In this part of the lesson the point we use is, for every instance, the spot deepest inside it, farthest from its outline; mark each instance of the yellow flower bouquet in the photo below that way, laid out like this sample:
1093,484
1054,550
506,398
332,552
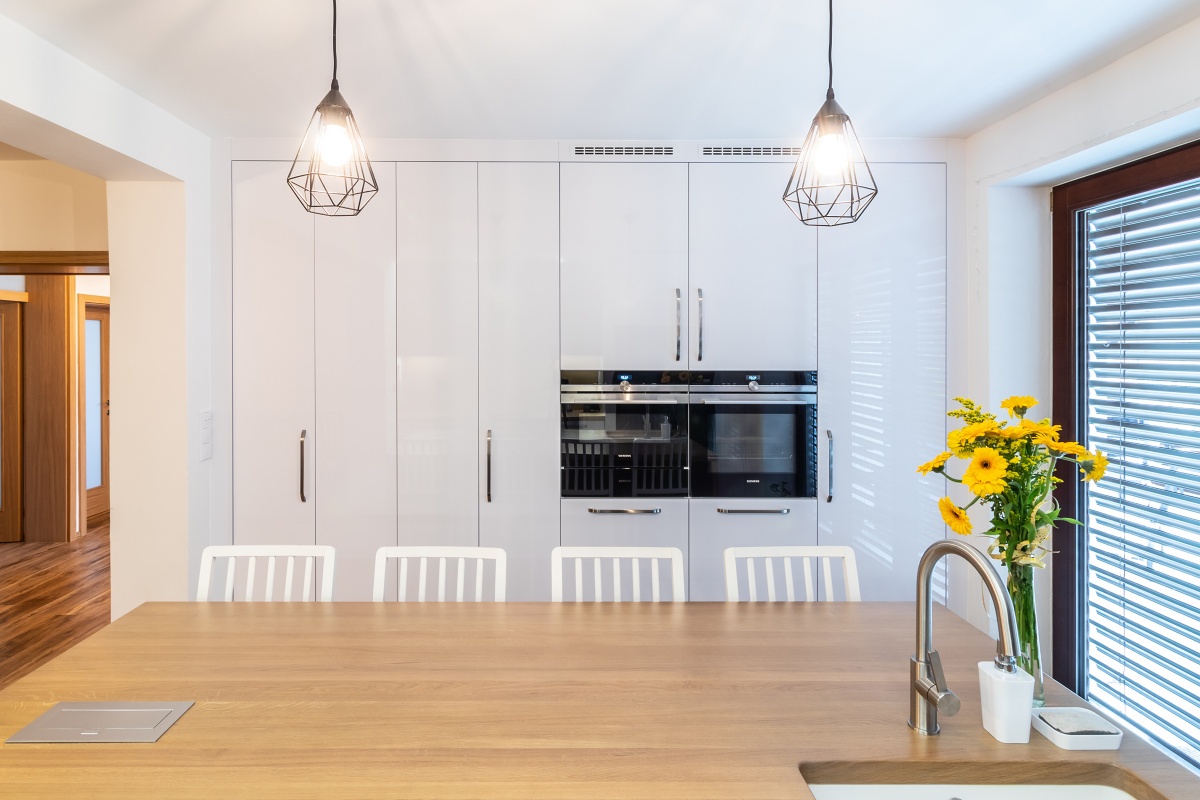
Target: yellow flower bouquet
1011,468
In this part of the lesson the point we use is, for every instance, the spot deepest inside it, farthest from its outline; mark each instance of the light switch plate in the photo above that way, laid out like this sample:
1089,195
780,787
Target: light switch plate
102,722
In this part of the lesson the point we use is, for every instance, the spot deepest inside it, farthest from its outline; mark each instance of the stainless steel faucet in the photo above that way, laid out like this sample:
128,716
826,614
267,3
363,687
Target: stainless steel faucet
929,692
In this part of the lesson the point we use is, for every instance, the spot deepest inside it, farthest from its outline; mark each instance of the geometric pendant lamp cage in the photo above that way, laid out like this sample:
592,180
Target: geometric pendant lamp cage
831,183
331,174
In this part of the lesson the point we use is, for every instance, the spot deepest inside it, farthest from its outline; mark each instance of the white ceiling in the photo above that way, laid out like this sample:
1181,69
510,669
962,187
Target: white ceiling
606,69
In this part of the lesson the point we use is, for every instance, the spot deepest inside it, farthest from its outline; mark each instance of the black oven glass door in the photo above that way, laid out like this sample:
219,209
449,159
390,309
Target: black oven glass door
747,449
624,447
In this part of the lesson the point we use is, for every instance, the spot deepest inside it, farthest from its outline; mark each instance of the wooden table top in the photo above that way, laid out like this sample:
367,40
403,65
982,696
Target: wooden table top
688,700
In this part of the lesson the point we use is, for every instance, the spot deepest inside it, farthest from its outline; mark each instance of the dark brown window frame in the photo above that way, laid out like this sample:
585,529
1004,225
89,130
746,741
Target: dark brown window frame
1154,172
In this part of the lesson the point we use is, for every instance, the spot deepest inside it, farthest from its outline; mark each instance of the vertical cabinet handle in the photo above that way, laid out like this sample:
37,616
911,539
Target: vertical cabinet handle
303,435
489,466
829,488
700,311
678,324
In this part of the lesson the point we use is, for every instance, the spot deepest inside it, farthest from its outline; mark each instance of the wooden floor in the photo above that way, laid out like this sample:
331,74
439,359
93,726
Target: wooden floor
52,596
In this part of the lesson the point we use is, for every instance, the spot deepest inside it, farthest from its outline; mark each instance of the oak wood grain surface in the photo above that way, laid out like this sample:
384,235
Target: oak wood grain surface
53,595
688,700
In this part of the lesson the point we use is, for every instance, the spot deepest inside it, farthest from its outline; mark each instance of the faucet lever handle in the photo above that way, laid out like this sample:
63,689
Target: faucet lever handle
947,702
939,676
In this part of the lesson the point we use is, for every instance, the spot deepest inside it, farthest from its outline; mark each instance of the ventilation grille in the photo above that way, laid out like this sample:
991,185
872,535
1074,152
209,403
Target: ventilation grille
634,150
750,151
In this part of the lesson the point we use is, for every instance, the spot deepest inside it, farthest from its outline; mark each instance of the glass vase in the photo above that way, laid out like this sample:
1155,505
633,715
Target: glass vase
1020,589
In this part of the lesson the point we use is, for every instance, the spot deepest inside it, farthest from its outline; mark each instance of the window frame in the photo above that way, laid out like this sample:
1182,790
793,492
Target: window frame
1068,387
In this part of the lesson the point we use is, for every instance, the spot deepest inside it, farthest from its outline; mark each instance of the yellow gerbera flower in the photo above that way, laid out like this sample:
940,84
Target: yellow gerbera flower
1043,428
954,516
956,440
1093,467
1069,448
935,465
985,476
1018,404
1014,432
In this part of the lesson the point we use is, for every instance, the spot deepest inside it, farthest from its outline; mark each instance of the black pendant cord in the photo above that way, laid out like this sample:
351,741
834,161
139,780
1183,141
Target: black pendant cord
829,90
334,85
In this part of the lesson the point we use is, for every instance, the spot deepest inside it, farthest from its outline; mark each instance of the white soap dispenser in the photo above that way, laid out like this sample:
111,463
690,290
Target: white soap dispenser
1007,699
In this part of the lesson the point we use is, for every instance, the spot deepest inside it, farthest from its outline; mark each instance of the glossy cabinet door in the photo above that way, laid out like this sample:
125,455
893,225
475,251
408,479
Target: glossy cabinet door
273,372
717,524
437,340
882,377
518,434
608,522
356,386
624,266
753,271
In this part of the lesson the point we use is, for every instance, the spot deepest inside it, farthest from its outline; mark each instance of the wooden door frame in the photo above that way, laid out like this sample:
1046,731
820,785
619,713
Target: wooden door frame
97,498
12,492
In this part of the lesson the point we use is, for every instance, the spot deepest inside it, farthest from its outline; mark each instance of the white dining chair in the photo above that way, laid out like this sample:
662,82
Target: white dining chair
824,555
617,556
315,557
423,555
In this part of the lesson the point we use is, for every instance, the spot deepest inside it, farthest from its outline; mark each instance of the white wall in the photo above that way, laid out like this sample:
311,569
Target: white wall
147,228
74,115
1140,104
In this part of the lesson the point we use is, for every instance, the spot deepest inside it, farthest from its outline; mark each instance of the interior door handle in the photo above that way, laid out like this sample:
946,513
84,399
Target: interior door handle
303,435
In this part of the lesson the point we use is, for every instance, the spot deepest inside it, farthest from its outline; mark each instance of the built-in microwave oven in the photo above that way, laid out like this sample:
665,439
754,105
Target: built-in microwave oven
753,434
624,434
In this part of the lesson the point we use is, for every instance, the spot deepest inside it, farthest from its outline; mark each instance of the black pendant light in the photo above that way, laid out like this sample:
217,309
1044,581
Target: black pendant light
831,183
332,174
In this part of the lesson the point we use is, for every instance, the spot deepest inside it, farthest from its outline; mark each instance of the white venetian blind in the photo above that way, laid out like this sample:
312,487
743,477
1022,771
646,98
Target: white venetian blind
1142,336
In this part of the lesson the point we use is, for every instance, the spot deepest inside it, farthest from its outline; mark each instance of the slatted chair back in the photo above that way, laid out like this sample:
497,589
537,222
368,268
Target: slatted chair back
312,558
423,555
768,556
598,556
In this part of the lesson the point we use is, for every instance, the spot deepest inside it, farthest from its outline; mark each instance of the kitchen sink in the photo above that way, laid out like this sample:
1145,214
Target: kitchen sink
946,791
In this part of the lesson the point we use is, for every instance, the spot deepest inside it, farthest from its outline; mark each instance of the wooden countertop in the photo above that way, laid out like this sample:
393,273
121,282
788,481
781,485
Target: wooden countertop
689,700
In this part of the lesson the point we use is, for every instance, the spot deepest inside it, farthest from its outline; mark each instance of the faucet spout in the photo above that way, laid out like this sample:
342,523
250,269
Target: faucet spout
929,693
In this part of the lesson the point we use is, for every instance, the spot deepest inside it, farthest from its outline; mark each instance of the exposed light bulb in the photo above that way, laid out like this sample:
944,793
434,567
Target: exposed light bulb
830,155
336,147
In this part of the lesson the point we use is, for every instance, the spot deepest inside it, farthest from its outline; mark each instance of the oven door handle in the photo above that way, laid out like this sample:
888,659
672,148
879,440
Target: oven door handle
750,402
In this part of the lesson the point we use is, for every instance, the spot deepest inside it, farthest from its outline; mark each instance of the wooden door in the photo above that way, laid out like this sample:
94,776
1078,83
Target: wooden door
11,468
93,439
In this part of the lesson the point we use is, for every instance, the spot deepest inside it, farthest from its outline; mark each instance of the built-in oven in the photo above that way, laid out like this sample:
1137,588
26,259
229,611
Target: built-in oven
753,434
624,434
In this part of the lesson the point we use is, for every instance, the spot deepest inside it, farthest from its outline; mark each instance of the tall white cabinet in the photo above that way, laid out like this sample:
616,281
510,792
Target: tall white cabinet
437,352
882,379
517,440
274,381
355,360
